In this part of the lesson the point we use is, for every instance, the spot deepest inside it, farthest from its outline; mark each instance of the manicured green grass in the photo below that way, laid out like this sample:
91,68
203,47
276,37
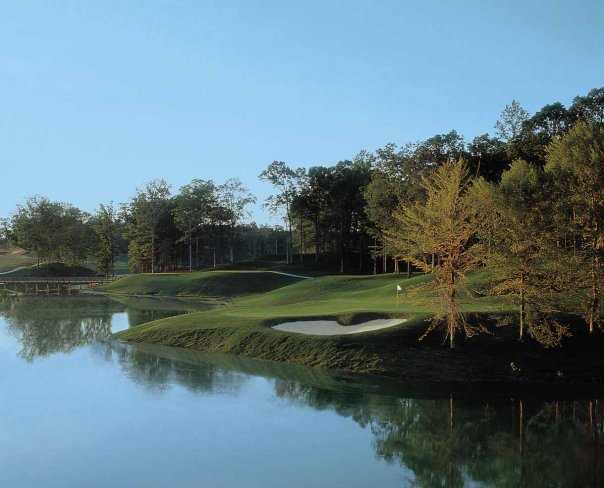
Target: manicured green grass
348,299
205,284
244,327
330,296
14,259
308,269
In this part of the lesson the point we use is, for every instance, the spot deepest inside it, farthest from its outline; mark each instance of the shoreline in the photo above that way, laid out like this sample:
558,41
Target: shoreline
323,378
396,353
244,326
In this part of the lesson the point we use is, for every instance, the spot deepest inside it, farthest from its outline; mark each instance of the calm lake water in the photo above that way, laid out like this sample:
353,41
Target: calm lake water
78,410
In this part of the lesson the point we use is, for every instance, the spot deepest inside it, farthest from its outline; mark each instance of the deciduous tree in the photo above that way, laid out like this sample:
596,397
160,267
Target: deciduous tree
444,226
576,161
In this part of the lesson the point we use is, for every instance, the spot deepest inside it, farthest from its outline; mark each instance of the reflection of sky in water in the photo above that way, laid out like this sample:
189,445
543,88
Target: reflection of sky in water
107,414
119,322
78,420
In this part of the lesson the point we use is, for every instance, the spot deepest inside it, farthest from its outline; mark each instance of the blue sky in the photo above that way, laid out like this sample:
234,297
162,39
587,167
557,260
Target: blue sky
96,98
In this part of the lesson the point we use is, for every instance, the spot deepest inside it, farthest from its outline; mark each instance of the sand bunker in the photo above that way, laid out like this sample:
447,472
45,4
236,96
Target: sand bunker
331,327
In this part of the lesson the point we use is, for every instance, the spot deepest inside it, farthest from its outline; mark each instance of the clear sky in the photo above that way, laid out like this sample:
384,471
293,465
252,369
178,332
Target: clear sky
96,98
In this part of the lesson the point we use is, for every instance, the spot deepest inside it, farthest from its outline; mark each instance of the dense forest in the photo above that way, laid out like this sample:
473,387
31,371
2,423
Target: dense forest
527,202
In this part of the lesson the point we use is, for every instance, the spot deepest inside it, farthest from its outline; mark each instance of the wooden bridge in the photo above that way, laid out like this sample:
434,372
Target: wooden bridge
51,286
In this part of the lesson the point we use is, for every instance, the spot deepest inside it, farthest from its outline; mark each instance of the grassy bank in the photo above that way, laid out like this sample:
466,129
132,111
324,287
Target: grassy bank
14,258
53,270
203,284
244,327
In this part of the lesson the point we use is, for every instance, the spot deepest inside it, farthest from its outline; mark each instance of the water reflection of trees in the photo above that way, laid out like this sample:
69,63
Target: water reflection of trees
51,325
502,443
446,442
157,372
44,326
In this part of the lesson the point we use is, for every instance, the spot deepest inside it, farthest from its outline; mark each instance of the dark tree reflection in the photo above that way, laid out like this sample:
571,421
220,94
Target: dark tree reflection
44,326
47,326
443,439
157,372
450,442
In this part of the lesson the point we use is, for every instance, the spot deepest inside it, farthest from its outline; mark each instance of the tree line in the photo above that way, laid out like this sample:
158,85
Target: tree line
527,203
201,225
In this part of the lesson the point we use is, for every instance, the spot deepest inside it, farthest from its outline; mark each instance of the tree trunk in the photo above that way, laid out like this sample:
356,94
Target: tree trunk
360,254
290,243
316,240
190,250
374,256
594,305
408,269
522,306
153,252
301,250
452,311
594,298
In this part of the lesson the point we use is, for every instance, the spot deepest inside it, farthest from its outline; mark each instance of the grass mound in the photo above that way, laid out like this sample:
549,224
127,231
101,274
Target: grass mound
347,299
54,270
220,284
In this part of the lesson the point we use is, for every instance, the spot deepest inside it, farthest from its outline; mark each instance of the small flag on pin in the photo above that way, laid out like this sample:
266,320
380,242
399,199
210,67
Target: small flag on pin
398,289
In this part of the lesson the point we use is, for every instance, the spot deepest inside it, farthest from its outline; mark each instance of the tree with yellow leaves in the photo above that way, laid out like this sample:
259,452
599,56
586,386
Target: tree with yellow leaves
437,235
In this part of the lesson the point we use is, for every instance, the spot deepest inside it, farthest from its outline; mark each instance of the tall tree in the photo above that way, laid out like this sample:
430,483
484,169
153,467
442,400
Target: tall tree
195,204
589,108
510,123
487,157
143,215
444,226
54,231
576,161
313,202
287,181
106,229
234,199
517,243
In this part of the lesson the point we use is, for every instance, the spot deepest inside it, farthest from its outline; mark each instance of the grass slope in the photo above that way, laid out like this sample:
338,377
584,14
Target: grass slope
15,258
206,284
243,327
346,298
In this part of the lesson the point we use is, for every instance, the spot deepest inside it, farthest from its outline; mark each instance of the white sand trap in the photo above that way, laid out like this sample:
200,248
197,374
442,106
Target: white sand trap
331,327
